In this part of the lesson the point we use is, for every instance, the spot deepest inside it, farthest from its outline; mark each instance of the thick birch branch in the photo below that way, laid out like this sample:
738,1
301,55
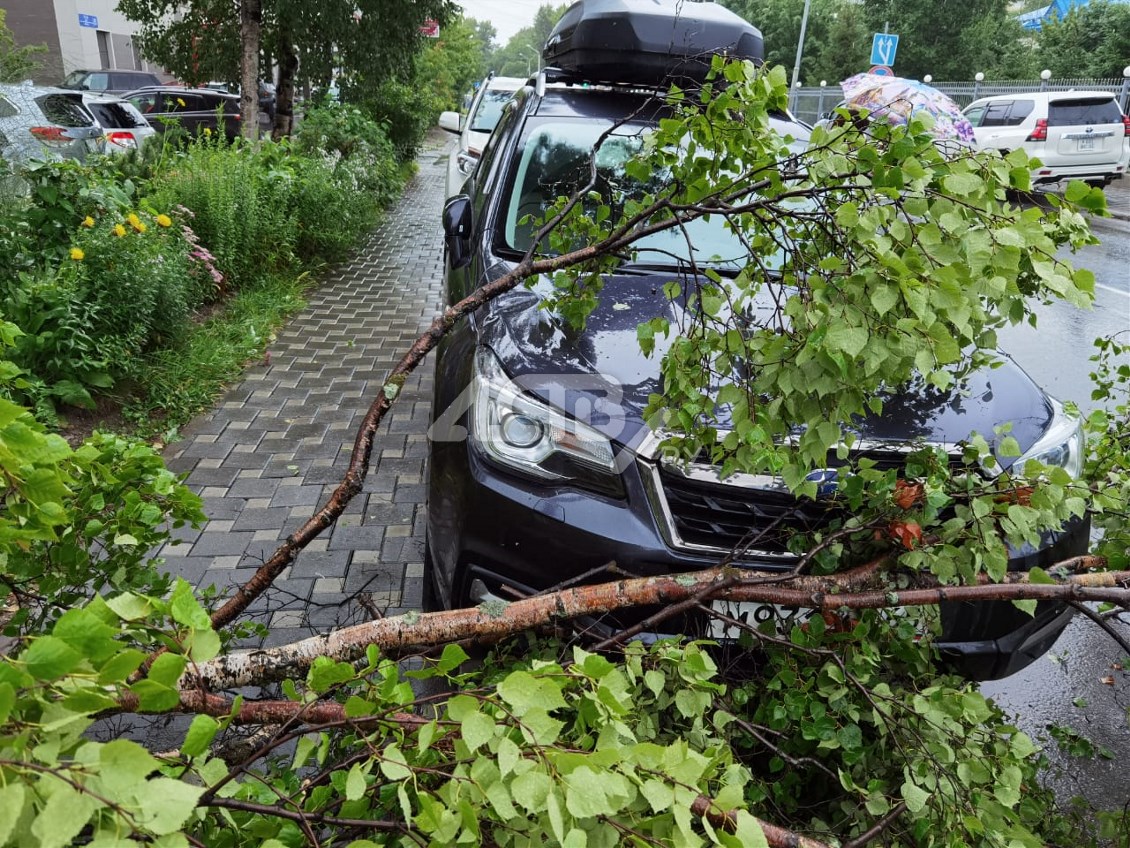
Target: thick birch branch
414,631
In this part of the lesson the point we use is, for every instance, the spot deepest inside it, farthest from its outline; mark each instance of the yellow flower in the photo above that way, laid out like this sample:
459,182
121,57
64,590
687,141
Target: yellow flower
180,102
164,221
77,255
88,221
207,131
135,222
119,230
140,228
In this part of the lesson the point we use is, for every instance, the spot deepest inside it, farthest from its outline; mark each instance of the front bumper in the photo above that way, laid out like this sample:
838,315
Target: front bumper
514,536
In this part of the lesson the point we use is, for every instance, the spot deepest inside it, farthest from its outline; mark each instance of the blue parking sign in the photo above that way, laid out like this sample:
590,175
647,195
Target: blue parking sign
88,21
883,48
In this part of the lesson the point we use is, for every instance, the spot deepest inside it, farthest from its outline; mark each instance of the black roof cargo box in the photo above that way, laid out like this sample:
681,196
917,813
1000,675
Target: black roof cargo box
648,42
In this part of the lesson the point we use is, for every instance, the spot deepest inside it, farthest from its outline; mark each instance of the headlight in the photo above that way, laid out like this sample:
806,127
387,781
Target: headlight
522,433
1062,443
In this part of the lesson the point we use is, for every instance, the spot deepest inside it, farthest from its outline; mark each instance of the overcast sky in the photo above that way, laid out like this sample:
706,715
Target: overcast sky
508,16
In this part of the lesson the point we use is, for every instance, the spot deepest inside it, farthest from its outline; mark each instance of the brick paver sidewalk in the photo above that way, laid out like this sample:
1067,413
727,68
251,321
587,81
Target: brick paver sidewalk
277,444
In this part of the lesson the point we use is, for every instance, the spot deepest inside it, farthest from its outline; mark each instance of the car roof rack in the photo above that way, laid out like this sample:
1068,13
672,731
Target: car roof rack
649,43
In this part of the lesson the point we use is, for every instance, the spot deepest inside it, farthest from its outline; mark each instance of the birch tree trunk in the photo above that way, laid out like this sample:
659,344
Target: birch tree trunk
250,22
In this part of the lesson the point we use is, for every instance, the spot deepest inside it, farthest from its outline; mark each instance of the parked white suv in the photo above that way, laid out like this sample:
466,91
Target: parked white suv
1075,134
475,128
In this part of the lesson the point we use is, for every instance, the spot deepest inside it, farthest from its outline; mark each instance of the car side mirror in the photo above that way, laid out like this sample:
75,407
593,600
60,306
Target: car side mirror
457,230
450,121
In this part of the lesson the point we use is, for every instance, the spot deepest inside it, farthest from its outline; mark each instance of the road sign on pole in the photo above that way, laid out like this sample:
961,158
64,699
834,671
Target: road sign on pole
883,48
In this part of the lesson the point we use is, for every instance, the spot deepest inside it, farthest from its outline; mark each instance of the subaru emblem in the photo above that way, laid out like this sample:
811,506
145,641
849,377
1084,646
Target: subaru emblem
826,480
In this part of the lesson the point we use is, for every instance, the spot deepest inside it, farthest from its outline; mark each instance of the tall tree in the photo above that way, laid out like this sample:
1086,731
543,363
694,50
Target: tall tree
454,61
950,39
1093,41
836,39
365,41
250,25
518,56
16,62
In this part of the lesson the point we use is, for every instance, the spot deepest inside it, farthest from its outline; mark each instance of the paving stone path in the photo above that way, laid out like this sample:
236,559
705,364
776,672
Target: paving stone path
277,444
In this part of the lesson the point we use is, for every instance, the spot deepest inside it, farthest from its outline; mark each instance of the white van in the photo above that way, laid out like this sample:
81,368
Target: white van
1075,134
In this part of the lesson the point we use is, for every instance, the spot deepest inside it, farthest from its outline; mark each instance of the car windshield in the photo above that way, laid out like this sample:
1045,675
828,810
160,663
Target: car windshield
490,110
554,162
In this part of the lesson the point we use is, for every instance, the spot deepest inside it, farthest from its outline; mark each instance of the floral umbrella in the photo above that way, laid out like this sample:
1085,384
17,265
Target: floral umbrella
897,98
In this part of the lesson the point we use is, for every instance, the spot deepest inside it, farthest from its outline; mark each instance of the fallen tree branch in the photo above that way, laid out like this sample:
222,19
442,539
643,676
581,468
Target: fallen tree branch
414,631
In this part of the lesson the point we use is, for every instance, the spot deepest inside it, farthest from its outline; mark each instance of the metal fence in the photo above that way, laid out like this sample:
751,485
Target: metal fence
810,102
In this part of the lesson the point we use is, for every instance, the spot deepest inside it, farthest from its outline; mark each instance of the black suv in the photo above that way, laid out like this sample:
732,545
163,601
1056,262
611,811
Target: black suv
193,109
542,468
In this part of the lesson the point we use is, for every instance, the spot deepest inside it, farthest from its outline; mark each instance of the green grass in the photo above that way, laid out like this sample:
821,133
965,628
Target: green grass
176,384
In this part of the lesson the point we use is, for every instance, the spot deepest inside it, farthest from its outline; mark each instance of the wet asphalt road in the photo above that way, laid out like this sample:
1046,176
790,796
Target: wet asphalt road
1084,683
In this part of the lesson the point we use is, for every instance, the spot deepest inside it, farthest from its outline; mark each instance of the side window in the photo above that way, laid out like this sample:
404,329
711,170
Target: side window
974,115
7,109
124,82
64,110
1021,109
182,102
996,114
97,82
145,103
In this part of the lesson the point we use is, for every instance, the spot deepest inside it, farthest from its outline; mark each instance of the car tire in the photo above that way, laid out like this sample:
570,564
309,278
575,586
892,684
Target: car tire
432,600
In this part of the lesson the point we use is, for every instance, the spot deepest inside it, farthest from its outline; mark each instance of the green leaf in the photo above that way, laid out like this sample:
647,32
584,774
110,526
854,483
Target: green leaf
167,669
1028,606
531,789
185,609
63,817
851,340
355,783
166,804
524,692
199,736
915,797
11,804
477,729
130,607
49,658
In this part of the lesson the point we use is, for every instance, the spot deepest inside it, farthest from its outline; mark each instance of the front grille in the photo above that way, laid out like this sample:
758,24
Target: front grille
733,518
751,516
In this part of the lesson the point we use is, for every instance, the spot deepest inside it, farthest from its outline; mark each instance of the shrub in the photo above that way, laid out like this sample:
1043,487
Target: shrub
406,112
240,207
135,277
55,350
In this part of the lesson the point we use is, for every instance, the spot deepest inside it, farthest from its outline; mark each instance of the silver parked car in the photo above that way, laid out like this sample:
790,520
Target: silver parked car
37,122
125,127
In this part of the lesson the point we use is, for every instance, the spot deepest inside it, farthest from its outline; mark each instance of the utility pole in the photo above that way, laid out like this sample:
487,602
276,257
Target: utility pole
799,50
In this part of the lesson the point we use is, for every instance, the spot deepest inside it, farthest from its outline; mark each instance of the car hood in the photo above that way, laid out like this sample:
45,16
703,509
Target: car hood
601,377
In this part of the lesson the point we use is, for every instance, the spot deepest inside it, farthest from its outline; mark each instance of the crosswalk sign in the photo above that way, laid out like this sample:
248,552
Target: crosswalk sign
883,48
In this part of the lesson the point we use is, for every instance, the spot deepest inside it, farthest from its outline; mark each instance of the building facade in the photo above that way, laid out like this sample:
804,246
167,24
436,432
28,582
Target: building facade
78,34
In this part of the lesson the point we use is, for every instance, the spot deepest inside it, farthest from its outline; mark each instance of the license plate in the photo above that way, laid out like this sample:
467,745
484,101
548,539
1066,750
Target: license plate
782,619
1086,144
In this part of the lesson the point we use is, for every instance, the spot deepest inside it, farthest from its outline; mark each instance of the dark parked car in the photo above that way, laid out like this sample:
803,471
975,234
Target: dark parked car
559,474
109,80
193,109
